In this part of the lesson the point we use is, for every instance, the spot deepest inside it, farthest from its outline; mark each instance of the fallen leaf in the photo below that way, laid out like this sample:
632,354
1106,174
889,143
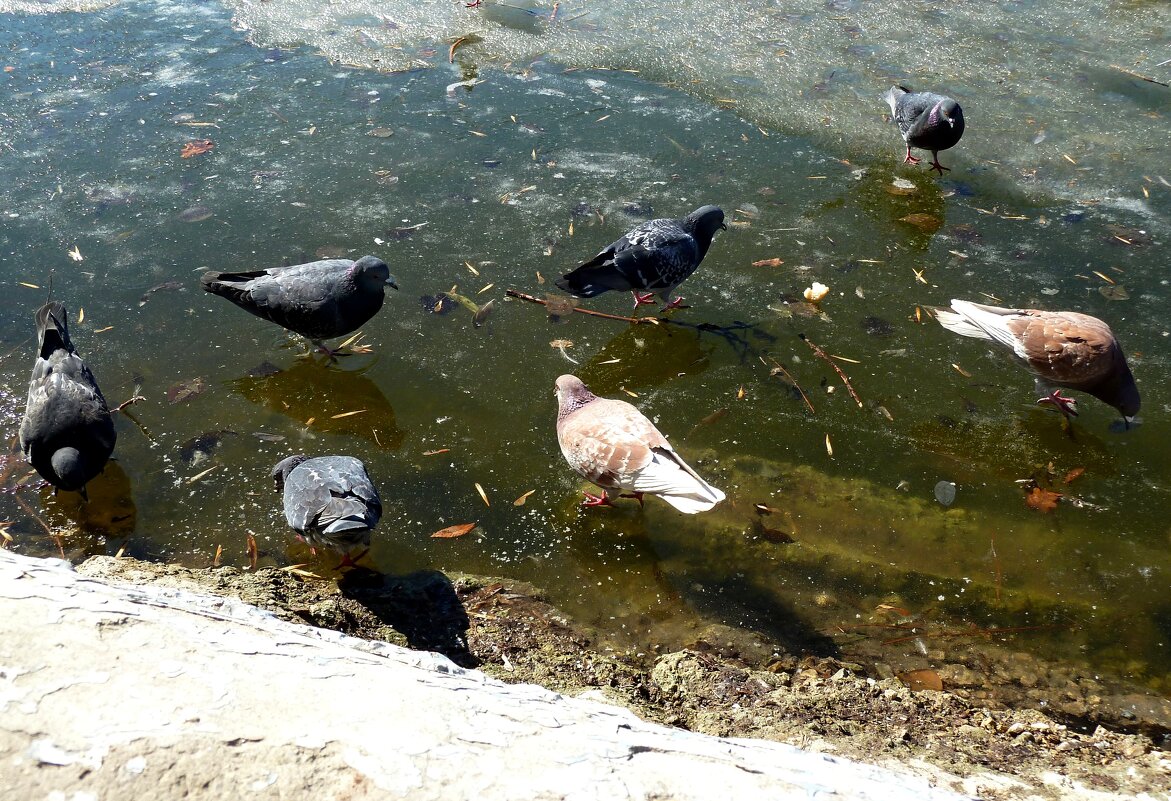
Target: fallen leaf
81,315
961,370
764,509
828,447
252,551
437,452
346,414
454,531
521,500
1114,292
925,679
1042,500
196,147
26,283
75,254
186,390
740,393
160,288
1073,474
483,495
219,551
768,263
924,222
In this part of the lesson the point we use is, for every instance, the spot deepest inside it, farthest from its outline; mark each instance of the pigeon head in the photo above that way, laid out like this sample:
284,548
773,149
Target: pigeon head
1119,390
280,473
572,394
947,110
72,469
372,272
703,224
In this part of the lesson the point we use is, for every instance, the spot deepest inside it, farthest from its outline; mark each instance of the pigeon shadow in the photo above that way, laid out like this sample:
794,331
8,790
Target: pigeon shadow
648,356
337,401
422,606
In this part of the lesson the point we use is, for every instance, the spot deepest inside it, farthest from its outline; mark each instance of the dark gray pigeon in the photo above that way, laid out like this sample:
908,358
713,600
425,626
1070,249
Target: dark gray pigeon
329,501
655,257
318,300
927,121
67,433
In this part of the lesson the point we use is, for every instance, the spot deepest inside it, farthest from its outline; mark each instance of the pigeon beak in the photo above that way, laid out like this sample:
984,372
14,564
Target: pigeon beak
723,226
390,282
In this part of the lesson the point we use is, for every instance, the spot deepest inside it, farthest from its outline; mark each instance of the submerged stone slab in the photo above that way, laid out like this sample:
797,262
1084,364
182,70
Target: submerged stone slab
160,693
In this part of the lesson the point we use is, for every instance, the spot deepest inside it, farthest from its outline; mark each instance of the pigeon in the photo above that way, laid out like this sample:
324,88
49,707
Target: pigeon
657,256
318,300
614,445
67,433
927,121
1063,349
329,501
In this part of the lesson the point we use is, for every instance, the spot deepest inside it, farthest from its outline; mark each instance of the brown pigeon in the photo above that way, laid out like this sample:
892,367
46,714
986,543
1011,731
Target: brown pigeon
614,445
1061,348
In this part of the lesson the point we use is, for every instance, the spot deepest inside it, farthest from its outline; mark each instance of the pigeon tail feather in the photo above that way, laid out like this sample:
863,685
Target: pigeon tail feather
959,324
53,329
673,480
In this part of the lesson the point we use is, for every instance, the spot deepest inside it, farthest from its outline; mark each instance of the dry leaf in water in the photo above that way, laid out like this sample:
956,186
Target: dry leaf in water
768,263
1042,500
454,531
924,222
521,500
925,679
1072,474
196,148
186,390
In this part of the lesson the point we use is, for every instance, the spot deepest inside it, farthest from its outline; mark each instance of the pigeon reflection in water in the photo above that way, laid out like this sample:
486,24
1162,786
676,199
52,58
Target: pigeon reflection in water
311,390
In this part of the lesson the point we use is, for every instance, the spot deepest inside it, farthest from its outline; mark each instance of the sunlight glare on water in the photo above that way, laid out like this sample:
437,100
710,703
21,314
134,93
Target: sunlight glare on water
537,161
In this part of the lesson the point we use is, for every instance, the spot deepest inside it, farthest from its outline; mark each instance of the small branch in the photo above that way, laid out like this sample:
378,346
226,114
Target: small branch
122,406
512,293
44,525
1134,74
821,354
793,381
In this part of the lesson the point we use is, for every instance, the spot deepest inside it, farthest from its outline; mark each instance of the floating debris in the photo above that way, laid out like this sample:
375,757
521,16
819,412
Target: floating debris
454,531
945,492
186,390
163,287
195,214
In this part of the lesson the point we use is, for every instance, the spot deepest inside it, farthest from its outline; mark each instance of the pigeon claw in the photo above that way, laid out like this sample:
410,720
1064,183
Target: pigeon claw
1067,406
636,495
909,159
595,500
644,299
677,303
935,165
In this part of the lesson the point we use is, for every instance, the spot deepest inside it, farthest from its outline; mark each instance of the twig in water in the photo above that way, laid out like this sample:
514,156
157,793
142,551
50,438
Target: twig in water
1141,77
29,510
821,354
780,368
512,293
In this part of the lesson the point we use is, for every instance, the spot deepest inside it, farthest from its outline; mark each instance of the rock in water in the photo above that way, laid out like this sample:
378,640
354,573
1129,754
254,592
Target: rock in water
318,300
654,257
67,433
614,445
329,501
1061,348
927,121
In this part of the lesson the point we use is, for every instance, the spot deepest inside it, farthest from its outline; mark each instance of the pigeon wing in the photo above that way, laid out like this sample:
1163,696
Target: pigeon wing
656,255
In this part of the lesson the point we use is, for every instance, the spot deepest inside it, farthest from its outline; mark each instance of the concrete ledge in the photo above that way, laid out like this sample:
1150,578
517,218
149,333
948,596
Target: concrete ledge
116,691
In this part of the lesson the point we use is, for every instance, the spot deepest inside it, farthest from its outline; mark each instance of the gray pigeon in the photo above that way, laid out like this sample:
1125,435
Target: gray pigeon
927,121
1061,348
655,257
614,445
67,433
329,501
318,300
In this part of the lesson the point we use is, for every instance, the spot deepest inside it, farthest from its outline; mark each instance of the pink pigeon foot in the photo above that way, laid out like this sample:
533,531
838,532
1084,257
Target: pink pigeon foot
596,500
348,561
647,299
935,165
909,158
677,303
1067,406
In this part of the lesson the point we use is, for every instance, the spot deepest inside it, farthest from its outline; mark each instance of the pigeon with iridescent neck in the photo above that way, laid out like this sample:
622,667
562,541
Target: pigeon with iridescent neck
927,121
649,259
1062,349
615,446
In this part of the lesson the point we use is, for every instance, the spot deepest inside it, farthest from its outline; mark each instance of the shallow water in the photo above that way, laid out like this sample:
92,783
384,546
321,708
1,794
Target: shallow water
531,171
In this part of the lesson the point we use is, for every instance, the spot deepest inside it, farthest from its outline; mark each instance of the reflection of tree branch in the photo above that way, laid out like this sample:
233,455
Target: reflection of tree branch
729,333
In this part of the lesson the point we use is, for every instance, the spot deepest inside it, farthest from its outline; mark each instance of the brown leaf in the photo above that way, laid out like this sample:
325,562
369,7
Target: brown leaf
521,500
186,390
252,551
1072,474
196,147
925,679
1042,500
924,222
454,531
774,262
776,535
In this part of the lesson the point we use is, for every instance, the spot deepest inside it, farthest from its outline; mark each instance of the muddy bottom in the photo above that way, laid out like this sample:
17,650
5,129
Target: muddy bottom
720,685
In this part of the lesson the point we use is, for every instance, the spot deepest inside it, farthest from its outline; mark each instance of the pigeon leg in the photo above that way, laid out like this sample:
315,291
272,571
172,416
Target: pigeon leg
596,500
935,165
647,299
1067,406
677,303
348,561
909,158
636,495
